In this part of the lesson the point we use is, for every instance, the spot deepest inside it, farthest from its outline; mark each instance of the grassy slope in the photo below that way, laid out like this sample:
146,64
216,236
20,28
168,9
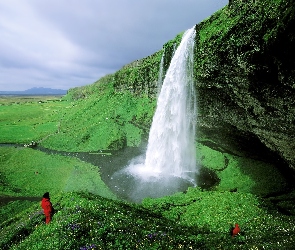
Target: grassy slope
196,220
56,173
103,119
84,221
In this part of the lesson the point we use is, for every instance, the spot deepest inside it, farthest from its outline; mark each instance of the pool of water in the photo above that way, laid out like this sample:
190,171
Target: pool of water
127,186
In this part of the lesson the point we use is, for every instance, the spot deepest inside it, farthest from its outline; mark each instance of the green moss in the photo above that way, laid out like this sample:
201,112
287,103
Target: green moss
133,135
209,158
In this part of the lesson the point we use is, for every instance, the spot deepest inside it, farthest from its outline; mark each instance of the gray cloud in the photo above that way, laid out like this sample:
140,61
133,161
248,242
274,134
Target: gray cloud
63,44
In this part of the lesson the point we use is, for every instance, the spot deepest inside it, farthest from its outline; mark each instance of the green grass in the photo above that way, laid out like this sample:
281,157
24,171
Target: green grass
242,174
215,213
84,220
23,119
195,220
106,119
103,119
28,172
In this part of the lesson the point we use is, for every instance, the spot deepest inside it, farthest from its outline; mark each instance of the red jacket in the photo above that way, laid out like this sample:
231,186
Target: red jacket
47,206
236,230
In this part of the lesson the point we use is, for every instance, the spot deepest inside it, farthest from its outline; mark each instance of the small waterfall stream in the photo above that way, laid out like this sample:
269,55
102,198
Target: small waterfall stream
160,77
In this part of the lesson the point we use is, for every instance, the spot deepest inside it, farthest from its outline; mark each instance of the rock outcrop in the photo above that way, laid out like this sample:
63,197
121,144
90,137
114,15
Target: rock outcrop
245,76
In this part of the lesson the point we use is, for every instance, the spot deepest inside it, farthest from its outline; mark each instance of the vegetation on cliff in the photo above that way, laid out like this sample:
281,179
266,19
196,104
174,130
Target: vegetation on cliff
245,77
98,117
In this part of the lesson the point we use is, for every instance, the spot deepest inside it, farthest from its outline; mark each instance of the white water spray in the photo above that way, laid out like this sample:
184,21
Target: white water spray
171,144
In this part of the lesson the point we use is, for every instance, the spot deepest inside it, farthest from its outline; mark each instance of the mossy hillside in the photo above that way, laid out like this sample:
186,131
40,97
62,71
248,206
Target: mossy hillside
241,30
99,117
28,172
141,77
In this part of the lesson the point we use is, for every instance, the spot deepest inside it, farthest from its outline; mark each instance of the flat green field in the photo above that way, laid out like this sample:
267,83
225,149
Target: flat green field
27,118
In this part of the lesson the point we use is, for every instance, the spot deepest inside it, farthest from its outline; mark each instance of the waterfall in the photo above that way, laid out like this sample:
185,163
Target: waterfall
160,76
171,144
169,163
174,46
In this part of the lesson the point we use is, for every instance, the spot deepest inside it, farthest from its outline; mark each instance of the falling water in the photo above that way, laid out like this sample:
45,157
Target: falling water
171,147
169,164
160,77
174,47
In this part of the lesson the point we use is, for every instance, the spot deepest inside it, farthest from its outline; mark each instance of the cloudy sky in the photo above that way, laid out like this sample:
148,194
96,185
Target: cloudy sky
67,43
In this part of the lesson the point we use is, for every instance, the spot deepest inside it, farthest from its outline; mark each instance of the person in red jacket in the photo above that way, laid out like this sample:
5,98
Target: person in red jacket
236,230
47,207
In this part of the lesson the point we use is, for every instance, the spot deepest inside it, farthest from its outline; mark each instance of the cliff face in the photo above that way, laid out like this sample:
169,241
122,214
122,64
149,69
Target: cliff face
245,77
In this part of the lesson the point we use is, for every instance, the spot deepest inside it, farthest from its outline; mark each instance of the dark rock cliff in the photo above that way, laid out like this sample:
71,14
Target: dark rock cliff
245,76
